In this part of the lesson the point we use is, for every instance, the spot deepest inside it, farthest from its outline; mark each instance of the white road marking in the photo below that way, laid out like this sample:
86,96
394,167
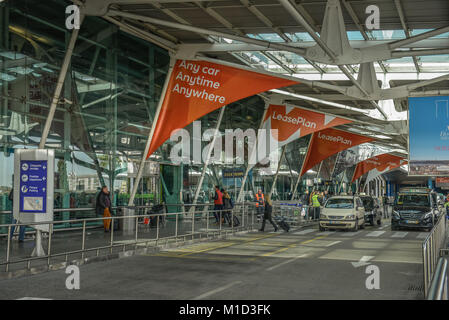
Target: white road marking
325,233
285,262
384,226
375,233
33,298
305,231
399,234
350,234
362,262
212,292
332,243
422,235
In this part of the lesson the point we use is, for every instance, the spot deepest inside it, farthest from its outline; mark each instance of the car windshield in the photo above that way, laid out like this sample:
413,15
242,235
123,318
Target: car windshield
368,203
340,203
413,200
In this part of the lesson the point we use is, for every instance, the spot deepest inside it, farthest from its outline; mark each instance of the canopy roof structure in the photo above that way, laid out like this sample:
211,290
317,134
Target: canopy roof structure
344,68
326,44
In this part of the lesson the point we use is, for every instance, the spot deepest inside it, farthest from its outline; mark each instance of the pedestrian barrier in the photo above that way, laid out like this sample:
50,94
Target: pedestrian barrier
170,228
200,226
431,248
438,286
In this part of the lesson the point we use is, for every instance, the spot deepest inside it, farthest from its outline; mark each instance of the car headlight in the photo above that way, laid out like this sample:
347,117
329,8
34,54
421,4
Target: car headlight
428,215
323,216
350,217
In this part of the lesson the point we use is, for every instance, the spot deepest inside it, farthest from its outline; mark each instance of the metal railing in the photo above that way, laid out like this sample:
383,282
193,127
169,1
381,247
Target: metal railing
135,230
244,212
293,213
438,286
431,247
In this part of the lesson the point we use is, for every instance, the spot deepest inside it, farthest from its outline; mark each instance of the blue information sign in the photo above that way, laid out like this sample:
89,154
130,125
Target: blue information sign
429,135
33,186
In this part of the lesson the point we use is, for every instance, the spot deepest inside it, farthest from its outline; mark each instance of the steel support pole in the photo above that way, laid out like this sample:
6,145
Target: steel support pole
60,83
206,163
300,171
277,171
38,250
341,181
291,173
252,156
150,136
318,172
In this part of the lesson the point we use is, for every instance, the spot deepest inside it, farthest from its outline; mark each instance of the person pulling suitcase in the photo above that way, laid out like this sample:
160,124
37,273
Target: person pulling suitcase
267,214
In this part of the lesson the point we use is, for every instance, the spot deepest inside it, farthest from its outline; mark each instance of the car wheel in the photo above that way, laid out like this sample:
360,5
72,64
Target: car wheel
394,228
322,228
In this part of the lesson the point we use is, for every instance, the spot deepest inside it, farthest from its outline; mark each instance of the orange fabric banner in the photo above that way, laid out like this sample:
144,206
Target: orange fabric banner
293,123
382,163
197,88
327,142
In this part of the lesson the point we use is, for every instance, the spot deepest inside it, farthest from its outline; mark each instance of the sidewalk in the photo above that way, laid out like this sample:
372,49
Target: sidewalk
66,241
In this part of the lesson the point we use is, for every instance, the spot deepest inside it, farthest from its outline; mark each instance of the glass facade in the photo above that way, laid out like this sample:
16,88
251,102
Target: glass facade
104,114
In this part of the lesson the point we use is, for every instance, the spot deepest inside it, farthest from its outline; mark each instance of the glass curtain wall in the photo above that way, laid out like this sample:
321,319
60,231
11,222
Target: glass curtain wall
103,116
105,113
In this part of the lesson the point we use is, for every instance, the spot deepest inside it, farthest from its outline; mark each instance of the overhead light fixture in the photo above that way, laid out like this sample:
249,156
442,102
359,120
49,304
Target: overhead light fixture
329,103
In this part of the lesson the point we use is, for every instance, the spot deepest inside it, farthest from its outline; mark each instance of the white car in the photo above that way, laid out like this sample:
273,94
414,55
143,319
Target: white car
342,212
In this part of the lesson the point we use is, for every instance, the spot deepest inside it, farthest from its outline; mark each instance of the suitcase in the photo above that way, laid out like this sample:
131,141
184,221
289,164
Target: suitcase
284,225
153,219
153,222
236,221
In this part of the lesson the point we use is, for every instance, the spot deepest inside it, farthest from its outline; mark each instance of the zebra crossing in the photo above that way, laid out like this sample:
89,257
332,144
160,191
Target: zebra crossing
417,235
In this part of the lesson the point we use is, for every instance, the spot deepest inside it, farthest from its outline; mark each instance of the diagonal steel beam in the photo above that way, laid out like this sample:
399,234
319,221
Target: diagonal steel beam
231,28
362,30
300,19
418,37
60,83
263,43
406,30
253,9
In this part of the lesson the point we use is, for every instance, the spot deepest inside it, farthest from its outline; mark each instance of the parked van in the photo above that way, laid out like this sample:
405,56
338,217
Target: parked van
343,212
415,208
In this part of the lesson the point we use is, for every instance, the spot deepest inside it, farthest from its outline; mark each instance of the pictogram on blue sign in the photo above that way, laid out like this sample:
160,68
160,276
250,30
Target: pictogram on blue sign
33,186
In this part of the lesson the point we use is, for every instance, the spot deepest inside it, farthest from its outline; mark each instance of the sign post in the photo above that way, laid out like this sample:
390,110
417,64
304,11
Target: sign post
34,190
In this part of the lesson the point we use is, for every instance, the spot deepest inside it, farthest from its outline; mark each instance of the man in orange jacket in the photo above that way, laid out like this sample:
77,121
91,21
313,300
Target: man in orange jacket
218,203
260,204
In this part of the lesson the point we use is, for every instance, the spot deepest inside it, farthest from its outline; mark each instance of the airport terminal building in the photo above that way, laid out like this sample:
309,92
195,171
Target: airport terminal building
308,106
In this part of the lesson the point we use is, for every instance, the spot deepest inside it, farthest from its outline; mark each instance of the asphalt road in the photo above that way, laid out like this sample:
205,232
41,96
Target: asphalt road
301,264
